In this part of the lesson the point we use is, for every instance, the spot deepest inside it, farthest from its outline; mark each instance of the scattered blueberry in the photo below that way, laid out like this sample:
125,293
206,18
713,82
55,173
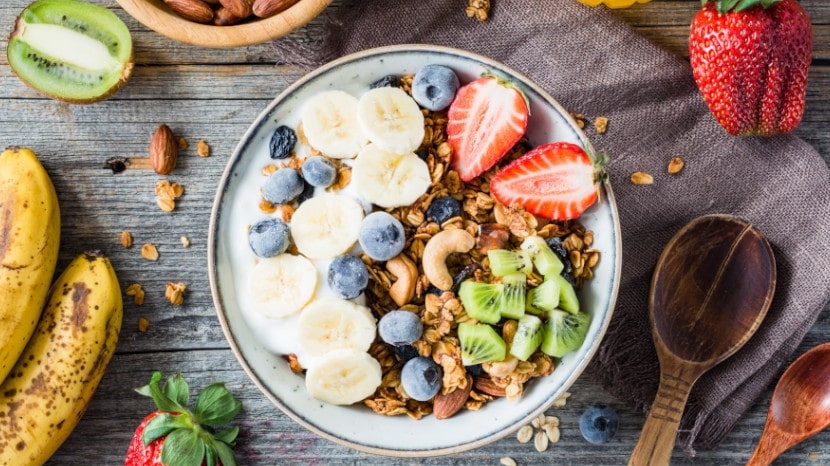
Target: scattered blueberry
308,192
406,352
434,87
555,244
348,276
282,142
381,236
400,327
269,237
389,80
598,424
443,208
421,378
283,186
319,171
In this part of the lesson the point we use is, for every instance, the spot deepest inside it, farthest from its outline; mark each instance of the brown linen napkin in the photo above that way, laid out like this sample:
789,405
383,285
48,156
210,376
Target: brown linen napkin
596,65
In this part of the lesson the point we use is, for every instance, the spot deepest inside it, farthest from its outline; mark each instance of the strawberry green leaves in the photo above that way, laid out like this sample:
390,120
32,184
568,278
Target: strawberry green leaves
724,6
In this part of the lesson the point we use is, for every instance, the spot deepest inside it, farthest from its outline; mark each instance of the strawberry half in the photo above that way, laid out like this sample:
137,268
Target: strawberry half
557,181
485,120
750,60
173,435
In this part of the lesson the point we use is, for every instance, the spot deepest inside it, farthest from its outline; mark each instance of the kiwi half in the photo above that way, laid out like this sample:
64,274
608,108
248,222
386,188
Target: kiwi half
528,337
71,50
564,332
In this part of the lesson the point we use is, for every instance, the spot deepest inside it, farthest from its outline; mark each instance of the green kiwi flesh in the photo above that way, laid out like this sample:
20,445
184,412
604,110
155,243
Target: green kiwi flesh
528,337
568,300
545,297
480,343
71,50
564,332
544,259
513,295
481,300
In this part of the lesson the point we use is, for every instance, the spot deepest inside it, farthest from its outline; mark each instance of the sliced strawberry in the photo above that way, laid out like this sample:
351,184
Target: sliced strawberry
557,181
486,118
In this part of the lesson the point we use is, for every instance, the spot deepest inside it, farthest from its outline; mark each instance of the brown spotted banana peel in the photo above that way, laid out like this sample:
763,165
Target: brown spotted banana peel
52,384
30,225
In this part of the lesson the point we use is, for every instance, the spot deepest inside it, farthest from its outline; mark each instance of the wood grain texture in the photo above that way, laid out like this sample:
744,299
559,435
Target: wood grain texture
214,94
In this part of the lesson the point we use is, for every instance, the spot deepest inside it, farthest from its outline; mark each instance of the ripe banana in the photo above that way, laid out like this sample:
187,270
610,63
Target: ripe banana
343,376
51,386
280,286
391,119
388,179
30,225
326,225
330,124
328,324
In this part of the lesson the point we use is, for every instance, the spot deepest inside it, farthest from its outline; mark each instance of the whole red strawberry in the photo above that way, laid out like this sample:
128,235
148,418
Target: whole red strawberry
173,435
750,60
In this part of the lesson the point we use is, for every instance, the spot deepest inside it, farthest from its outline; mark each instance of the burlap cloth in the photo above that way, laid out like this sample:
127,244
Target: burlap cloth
596,65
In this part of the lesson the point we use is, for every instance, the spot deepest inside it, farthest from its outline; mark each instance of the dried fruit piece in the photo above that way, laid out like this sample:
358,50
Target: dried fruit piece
71,50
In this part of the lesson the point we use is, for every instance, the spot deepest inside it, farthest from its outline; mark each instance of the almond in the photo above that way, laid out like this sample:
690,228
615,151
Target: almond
266,8
224,17
193,10
164,151
445,406
238,8
488,387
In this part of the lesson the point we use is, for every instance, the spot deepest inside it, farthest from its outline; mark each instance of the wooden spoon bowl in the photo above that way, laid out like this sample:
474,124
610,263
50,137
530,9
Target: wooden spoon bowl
711,289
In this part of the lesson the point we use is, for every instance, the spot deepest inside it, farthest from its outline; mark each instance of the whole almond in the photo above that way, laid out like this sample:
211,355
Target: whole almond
163,150
239,8
445,406
266,8
488,387
224,17
193,10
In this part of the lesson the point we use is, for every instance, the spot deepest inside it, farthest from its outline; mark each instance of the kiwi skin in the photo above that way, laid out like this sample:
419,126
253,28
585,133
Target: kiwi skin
72,6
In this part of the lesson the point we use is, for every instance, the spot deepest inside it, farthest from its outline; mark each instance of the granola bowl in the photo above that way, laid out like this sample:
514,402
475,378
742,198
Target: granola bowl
262,345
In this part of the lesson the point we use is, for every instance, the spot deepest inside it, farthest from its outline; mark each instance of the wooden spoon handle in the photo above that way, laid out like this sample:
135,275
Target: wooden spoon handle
654,448
772,443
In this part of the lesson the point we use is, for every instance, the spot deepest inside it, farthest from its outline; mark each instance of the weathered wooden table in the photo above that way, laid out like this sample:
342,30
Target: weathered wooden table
213,95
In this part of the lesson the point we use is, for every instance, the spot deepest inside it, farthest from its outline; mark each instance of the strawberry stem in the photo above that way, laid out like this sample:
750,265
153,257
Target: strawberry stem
736,6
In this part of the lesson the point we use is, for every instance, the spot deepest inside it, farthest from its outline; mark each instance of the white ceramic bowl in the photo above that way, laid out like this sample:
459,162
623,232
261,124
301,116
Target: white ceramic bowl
356,426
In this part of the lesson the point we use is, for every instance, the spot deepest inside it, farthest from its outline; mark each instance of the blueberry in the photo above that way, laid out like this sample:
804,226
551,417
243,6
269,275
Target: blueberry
283,186
269,237
389,80
400,327
348,276
406,352
474,370
282,142
319,171
443,208
434,87
598,424
421,378
381,236
308,192
556,245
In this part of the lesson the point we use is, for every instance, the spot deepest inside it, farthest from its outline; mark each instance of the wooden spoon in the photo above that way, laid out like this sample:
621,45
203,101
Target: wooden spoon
800,406
711,288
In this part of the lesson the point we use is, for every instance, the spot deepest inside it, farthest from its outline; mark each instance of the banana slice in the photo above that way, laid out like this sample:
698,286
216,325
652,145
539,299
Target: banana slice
391,119
388,179
328,324
326,225
343,377
330,124
282,285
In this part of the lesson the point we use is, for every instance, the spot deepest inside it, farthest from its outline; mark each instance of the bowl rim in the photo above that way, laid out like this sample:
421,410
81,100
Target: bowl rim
607,195
156,15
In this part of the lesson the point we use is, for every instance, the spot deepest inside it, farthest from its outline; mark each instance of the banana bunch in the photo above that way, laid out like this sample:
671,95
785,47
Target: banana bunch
65,344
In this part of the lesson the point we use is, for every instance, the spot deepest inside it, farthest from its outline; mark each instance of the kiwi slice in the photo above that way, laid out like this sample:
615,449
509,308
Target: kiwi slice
567,295
481,300
505,262
564,332
542,256
513,295
528,337
544,297
480,343
71,50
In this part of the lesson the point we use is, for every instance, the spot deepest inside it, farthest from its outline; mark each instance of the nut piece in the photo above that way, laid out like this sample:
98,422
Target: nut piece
175,292
224,17
193,10
164,150
445,406
267,8
406,272
488,387
238,8
641,178
601,124
436,251
675,165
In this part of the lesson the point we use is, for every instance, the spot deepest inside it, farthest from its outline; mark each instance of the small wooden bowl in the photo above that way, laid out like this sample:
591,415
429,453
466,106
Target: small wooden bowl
160,18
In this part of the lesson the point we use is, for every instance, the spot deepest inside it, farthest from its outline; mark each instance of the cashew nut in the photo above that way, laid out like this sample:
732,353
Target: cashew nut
501,368
436,251
406,273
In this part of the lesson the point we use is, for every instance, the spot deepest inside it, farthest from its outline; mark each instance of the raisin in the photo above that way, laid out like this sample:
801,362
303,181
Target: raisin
282,142
387,81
